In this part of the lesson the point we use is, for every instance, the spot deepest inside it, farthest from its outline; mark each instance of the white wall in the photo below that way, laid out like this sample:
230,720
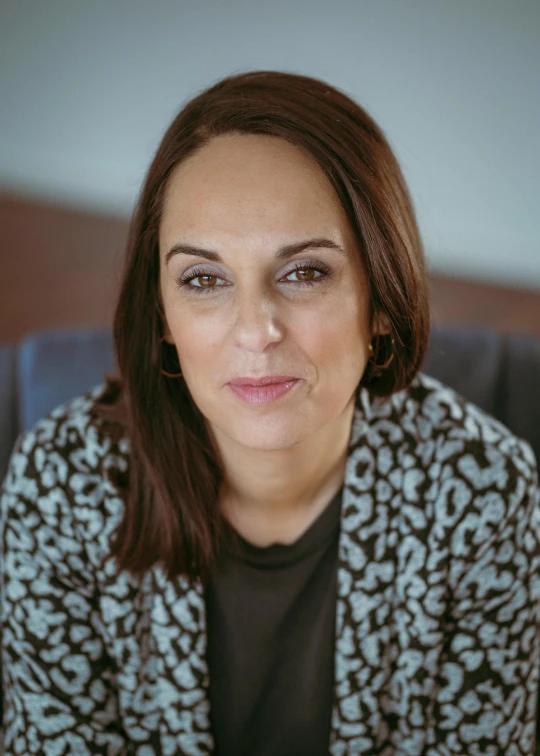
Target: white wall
87,87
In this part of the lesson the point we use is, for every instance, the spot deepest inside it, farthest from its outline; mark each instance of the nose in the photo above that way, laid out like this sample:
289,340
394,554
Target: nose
257,321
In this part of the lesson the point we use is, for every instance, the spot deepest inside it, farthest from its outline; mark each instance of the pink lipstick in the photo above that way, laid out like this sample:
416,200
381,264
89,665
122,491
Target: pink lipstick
262,390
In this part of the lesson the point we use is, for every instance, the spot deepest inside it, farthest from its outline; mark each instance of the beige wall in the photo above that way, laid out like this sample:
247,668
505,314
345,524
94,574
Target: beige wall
88,88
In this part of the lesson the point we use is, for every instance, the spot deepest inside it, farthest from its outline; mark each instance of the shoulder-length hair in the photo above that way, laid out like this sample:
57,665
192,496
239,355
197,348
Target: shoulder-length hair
171,514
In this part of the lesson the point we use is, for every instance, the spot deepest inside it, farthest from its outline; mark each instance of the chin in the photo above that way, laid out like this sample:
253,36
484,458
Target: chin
271,436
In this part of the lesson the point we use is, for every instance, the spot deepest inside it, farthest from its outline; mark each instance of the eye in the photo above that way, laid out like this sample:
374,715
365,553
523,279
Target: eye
207,278
308,274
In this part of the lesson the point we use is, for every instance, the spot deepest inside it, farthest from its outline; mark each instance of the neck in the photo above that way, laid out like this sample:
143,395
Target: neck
298,482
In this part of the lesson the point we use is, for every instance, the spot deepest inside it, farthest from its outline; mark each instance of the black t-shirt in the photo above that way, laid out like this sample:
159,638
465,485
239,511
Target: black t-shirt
271,625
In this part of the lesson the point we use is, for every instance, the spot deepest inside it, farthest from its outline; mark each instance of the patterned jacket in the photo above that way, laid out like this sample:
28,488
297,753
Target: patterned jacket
437,615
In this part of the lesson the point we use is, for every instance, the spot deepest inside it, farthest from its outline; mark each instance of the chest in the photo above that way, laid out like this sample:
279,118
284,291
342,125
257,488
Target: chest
270,649
387,625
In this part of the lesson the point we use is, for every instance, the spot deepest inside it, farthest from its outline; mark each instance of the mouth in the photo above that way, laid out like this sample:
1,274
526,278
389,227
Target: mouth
263,390
266,380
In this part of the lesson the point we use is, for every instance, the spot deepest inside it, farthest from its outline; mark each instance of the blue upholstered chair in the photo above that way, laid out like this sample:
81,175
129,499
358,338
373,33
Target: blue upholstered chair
501,374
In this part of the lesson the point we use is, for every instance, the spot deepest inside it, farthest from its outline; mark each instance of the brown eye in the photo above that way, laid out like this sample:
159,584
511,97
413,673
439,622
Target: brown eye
199,282
306,274
207,280
202,282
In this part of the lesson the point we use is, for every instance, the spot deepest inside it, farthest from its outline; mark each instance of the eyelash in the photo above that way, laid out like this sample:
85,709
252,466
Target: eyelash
184,281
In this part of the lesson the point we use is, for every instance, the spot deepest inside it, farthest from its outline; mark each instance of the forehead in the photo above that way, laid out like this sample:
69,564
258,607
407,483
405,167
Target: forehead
250,186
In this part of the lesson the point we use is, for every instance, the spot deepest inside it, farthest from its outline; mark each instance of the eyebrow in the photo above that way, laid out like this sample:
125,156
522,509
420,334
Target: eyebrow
283,253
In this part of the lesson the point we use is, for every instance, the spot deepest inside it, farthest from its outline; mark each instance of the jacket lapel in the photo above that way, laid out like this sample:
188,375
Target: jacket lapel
179,630
364,584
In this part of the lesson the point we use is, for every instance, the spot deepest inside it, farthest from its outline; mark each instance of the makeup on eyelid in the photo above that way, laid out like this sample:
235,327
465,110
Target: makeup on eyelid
199,272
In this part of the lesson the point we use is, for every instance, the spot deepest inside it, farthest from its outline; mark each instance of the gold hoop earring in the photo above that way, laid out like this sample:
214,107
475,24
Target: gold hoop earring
380,368
164,372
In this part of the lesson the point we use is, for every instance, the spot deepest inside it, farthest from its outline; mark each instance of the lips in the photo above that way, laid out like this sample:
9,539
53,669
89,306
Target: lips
266,380
262,390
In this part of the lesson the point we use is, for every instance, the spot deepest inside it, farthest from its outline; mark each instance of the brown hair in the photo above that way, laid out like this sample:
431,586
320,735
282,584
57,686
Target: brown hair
171,512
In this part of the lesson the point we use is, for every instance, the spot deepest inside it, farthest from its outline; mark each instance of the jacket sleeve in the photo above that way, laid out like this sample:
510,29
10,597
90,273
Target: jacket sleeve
59,690
488,688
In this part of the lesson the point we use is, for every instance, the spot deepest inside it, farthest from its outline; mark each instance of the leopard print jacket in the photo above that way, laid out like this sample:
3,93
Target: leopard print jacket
437,614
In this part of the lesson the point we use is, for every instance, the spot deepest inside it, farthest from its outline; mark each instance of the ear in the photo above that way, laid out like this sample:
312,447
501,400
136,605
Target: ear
167,335
382,325
161,317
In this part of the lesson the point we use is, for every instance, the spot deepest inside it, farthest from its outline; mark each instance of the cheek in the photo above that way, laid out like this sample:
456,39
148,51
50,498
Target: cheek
199,341
336,332
191,327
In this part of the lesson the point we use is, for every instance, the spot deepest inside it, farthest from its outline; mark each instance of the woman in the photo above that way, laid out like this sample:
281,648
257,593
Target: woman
271,534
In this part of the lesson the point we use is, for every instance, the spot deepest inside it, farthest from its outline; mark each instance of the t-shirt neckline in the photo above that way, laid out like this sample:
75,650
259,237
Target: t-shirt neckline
321,530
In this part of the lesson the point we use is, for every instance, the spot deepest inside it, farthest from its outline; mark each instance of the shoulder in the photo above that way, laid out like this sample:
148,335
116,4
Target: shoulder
69,446
448,457
65,477
432,415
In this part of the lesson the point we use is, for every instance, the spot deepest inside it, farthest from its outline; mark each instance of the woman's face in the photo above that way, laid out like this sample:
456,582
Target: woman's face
255,310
